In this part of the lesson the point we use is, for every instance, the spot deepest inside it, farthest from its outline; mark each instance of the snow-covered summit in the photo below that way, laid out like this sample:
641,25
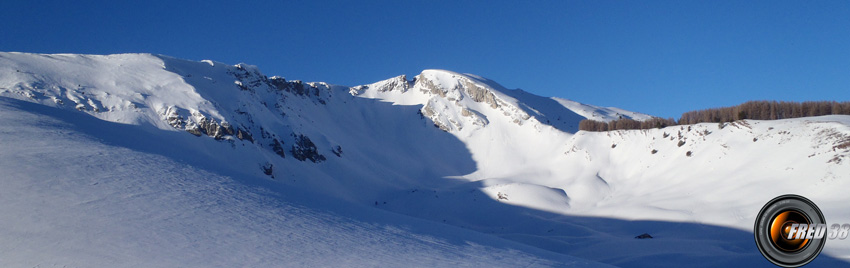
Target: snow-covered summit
287,122
199,96
451,148
455,101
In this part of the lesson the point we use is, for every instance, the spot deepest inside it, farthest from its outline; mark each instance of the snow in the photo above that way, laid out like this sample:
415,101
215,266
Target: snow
597,113
445,169
72,199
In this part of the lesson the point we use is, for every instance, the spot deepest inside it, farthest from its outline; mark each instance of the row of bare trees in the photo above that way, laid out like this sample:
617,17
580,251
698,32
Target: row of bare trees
592,125
759,110
765,110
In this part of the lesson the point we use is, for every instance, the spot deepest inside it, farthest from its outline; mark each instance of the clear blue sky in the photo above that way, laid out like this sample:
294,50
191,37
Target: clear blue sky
656,57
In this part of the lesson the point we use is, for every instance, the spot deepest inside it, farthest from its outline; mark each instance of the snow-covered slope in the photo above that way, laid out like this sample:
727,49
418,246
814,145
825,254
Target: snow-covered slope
81,192
509,133
597,113
450,148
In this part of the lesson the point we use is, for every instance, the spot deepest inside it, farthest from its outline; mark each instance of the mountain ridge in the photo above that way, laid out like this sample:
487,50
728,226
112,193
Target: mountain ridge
462,150
240,105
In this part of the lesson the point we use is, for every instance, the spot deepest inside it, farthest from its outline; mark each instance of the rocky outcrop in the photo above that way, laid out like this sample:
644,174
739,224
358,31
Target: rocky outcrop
173,118
643,236
249,78
428,86
277,147
296,87
244,135
268,169
209,127
439,122
454,91
396,84
198,124
304,149
479,94
337,150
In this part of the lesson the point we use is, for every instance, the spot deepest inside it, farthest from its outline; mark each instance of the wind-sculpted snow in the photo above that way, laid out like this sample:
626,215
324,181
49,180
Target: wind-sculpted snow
453,149
74,196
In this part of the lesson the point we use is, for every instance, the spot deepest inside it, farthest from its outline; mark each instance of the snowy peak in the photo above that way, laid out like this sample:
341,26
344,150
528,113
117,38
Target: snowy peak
457,87
455,101
287,119
504,162
458,101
